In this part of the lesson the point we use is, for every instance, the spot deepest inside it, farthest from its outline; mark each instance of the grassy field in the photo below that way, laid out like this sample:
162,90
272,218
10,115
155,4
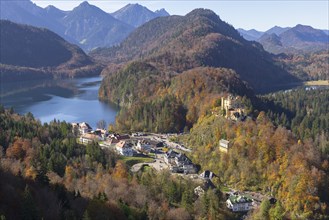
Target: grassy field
130,161
317,83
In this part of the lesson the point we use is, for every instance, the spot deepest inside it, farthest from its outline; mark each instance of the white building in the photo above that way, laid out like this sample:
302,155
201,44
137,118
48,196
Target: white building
224,145
82,127
89,138
124,149
238,203
143,146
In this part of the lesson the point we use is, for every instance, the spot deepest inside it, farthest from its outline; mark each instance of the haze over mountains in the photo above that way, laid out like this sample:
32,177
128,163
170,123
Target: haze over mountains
86,25
136,15
90,27
301,38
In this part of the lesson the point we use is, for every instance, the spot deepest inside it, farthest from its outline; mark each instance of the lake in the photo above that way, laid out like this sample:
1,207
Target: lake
72,100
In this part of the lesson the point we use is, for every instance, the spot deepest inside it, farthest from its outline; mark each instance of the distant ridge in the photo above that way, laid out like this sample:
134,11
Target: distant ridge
136,14
91,27
86,25
298,39
250,34
277,30
301,38
29,53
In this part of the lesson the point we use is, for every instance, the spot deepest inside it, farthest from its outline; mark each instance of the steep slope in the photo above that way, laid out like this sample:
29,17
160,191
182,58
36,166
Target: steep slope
200,38
28,52
54,12
92,27
136,15
250,34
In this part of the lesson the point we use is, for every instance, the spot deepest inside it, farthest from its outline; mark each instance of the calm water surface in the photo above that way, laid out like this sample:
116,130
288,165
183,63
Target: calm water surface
72,100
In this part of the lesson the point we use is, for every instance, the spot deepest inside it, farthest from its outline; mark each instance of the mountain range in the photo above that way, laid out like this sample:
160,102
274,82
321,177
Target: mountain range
86,25
29,53
201,38
90,27
298,39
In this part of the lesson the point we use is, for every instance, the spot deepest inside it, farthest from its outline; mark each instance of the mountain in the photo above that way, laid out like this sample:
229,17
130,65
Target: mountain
86,25
54,13
277,30
92,27
28,53
271,42
300,38
201,38
326,32
136,15
250,34
26,12
162,12
172,70
153,100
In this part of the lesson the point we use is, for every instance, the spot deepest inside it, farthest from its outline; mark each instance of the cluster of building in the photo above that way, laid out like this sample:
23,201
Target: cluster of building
130,147
179,162
87,134
122,144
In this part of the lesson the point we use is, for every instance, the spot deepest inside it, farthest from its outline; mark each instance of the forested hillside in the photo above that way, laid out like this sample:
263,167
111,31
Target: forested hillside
46,174
201,38
268,159
307,66
29,53
305,112
155,101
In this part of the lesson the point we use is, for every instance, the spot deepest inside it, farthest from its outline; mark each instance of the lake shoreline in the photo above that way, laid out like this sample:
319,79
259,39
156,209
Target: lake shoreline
70,100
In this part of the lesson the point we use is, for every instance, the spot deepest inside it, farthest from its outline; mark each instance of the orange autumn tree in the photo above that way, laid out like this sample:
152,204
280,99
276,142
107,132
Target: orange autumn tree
18,149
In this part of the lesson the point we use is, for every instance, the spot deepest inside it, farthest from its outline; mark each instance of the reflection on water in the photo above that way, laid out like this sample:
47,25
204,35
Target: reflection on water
72,100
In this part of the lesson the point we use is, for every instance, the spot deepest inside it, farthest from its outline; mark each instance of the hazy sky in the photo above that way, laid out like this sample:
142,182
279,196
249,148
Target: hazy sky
260,15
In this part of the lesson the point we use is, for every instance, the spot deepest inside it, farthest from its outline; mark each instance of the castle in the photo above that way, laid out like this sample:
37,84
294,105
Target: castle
232,107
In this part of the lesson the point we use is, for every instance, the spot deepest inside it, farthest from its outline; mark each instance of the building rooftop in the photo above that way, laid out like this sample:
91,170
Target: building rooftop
90,136
240,199
223,141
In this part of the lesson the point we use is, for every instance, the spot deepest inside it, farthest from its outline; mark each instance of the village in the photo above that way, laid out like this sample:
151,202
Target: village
162,153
